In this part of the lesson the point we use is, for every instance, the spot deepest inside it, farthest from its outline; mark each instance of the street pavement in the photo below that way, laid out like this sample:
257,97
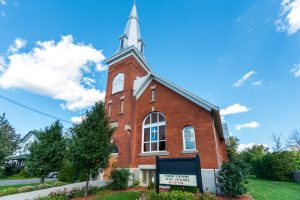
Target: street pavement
23,181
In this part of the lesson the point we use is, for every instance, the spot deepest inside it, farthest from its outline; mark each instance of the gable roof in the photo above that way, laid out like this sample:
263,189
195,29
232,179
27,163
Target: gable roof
28,135
214,110
197,100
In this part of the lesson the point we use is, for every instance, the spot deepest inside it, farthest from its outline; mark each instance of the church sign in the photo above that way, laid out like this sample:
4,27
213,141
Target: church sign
178,171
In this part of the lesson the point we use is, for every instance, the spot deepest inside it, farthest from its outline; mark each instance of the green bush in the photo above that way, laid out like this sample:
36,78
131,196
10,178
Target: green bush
135,183
184,189
66,174
23,173
277,166
232,177
151,186
120,179
178,195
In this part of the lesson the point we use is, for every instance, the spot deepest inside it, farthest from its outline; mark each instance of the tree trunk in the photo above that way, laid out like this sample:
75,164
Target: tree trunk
87,186
43,179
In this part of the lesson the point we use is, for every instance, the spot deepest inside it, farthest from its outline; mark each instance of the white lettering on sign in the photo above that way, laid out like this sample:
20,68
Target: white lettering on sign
174,179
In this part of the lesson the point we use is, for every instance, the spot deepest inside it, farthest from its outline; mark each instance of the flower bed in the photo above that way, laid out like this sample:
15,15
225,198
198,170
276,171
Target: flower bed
29,188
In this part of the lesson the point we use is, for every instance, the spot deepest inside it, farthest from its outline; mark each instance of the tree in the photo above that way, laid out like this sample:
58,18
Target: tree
277,139
294,140
232,148
252,155
9,140
233,177
91,142
47,153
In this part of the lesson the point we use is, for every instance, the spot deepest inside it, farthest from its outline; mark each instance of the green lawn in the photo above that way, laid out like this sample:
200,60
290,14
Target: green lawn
261,189
14,177
107,195
17,186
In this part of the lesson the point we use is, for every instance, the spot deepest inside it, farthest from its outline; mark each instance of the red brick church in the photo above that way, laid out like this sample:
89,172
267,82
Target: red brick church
153,116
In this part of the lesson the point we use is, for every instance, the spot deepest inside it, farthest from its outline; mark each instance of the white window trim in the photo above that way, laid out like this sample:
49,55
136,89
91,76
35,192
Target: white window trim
152,125
183,139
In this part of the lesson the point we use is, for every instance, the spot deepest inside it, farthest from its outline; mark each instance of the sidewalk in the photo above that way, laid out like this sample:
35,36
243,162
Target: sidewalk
40,193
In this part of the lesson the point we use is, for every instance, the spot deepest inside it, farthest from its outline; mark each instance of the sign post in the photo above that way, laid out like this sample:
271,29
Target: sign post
178,171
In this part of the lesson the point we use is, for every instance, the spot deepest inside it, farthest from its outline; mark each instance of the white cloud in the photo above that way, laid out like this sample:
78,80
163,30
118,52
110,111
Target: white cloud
57,70
77,120
247,125
289,17
257,83
242,147
241,82
296,70
2,64
3,2
17,45
234,109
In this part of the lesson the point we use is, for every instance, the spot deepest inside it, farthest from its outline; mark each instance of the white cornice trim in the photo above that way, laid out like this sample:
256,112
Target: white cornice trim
125,53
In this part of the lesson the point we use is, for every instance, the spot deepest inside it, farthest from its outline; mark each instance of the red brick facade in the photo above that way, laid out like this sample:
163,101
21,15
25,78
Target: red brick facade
178,111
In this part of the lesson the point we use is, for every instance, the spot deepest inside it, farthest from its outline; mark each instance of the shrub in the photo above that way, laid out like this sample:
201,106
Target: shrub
66,174
136,183
23,173
232,177
175,195
151,186
184,189
120,179
207,196
277,166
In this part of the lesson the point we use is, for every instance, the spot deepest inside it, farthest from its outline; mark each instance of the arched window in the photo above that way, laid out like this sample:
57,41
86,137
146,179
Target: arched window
154,133
189,142
118,83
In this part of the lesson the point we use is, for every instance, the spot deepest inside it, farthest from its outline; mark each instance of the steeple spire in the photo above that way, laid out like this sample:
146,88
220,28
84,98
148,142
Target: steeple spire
132,34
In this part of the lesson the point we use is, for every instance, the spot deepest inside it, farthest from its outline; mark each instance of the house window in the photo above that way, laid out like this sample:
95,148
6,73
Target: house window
109,108
122,105
189,142
154,133
153,94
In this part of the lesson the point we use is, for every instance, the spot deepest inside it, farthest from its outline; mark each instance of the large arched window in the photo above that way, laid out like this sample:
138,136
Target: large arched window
118,83
154,133
188,134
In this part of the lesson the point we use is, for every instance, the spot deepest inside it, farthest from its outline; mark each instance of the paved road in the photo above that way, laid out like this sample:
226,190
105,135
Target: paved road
40,193
23,181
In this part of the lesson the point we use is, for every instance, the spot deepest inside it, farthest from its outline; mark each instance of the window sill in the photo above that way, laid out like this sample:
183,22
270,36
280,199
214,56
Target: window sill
152,101
120,113
159,153
189,151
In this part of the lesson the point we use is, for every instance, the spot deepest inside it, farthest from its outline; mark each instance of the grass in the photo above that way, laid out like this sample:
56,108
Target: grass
261,189
17,186
108,195
15,177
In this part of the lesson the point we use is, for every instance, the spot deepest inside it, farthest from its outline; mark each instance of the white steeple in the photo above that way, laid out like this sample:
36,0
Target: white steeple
132,34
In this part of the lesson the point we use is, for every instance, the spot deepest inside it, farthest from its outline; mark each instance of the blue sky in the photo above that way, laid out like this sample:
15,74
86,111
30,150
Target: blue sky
243,56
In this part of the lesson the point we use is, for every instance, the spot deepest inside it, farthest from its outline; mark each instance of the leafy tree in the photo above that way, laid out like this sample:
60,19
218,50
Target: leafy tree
47,153
232,177
90,146
232,148
277,165
252,155
9,140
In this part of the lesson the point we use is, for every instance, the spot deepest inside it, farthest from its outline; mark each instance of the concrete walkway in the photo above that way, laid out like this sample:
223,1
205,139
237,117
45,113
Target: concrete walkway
23,181
41,193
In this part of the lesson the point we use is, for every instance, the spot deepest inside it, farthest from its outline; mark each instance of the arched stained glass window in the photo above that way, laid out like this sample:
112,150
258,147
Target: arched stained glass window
154,133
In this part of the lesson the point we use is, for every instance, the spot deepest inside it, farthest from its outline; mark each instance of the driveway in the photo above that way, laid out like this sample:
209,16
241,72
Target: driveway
23,181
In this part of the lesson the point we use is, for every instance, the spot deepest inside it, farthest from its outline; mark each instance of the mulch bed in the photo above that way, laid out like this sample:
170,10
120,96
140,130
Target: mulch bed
219,197
243,197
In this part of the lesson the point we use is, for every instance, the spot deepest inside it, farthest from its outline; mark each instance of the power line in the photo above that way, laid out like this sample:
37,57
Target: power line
32,109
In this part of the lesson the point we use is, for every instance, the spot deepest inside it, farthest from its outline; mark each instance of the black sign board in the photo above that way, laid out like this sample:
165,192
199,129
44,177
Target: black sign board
178,171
